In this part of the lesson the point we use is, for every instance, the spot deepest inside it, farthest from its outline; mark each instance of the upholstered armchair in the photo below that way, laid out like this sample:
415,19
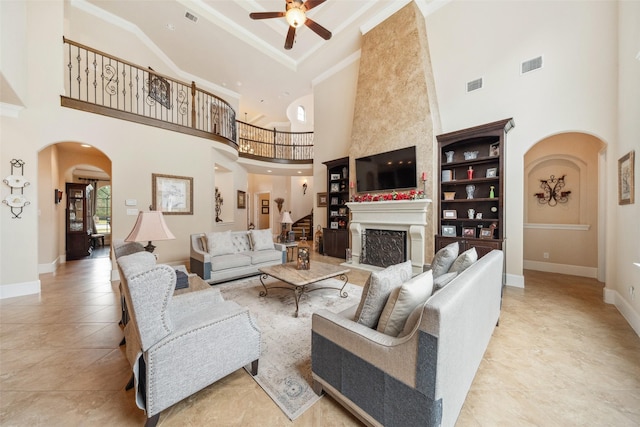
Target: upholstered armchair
178,345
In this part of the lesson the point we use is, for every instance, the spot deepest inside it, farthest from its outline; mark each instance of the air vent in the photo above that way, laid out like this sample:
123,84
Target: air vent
474,85
190,16
530,65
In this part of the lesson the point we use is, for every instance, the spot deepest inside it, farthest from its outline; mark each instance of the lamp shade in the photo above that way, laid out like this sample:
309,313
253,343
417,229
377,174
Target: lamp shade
150,226
286,218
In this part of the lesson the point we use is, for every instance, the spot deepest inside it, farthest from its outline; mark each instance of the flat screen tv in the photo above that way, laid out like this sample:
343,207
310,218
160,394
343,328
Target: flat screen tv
392,170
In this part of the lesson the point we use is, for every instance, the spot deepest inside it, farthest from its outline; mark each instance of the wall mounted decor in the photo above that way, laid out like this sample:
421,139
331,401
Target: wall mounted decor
57,196
626,190
16,200
242,200
172,195
159,90
219,201
322,200
552,191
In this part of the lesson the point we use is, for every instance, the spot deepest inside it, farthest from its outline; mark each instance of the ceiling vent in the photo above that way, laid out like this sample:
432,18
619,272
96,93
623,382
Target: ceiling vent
190,16
531,65
474,85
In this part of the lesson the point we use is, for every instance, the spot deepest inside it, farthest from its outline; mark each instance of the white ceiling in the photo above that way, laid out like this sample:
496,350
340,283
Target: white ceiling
246,58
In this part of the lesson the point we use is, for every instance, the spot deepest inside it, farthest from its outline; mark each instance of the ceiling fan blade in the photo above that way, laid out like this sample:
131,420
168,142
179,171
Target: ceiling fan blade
310,4
318,29
291,34
266,15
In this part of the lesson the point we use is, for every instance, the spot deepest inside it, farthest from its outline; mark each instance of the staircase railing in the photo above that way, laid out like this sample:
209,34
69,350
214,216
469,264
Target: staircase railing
260,142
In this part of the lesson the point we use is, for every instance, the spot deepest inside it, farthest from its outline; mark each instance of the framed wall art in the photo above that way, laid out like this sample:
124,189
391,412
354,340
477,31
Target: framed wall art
242,200
469,232
159,90
265,210
322,200
172,195
449,214
626,190
486,233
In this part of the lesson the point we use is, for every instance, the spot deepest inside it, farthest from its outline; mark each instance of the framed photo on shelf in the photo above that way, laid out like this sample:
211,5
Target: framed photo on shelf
492,172
494,150
335,176
322,200
449,230
334,225
626,188
449,214
242,200
334,213
469,232
172,195
335,187
342,211
334,201
486,233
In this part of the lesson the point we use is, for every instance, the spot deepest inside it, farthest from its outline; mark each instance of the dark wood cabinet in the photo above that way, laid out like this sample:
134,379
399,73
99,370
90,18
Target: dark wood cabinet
336,235
471,187
77,221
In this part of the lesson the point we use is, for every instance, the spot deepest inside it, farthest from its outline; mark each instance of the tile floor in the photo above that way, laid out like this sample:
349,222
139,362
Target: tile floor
560,357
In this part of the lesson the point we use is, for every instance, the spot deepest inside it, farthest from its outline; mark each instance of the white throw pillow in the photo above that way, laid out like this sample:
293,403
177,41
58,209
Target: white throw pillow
412,320
444,258
377,289
464,261
403,301
261,239
219,243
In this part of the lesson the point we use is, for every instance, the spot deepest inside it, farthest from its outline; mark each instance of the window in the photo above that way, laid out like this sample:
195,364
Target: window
103,209
302,115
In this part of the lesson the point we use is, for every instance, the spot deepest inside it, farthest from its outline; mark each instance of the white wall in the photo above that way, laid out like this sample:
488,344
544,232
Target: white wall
490,39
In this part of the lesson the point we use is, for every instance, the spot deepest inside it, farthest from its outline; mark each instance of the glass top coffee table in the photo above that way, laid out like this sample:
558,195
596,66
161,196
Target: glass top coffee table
299,280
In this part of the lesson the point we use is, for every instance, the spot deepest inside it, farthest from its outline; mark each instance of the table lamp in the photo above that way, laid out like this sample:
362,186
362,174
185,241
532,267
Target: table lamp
149,226
286,219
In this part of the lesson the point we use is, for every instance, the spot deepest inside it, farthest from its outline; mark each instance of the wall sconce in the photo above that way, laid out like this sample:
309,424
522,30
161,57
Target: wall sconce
304,188
57,196
553,193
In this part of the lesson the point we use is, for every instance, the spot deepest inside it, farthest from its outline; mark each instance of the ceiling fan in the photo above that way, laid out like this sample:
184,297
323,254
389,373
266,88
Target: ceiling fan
295,15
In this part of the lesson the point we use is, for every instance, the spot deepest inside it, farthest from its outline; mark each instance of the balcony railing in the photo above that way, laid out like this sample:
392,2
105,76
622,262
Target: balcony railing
101,83
257,142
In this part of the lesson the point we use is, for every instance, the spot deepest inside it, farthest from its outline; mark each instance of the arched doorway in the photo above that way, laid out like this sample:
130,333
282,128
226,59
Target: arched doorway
563,207
59,164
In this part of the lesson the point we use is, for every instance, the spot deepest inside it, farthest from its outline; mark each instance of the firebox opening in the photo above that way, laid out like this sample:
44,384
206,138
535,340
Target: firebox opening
383,248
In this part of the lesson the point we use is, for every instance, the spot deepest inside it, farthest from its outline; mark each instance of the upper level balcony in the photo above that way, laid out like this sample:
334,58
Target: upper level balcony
103,84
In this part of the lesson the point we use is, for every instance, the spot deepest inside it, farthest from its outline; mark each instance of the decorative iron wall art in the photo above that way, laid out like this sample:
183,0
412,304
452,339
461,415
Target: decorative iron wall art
159,90
552,191
16,200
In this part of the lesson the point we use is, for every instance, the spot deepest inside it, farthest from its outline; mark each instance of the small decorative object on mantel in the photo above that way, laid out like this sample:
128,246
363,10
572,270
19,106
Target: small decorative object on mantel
553,193
16,201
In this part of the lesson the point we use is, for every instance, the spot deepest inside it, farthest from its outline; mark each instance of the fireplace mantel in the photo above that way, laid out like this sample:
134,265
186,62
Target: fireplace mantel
403,215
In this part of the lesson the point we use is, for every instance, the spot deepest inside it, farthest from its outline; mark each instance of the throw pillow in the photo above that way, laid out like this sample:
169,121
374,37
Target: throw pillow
443,259
412,320
442,281
463,261
403,301
219,243
377,290
203,243
261,239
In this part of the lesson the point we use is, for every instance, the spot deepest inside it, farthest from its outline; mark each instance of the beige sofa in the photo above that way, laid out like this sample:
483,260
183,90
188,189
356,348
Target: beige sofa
420,379
221,256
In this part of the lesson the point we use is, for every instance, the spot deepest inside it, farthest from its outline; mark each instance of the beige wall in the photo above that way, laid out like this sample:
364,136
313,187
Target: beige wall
567,232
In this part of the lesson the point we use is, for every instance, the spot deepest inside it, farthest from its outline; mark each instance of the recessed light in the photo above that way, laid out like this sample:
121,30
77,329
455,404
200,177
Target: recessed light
85,145
299,171
170,27
269,170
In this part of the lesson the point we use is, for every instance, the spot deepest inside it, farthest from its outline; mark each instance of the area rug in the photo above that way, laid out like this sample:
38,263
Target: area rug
284,370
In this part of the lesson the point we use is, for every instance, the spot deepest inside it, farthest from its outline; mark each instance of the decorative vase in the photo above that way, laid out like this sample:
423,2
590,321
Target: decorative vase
449,155
491,192
470,173
471,213
470,190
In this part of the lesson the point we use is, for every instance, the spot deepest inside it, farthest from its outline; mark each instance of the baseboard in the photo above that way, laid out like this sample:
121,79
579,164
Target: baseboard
514,280
49,268
550,267
19,289
631,316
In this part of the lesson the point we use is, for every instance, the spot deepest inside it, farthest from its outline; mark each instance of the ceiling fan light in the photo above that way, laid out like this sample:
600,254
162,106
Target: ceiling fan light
295,17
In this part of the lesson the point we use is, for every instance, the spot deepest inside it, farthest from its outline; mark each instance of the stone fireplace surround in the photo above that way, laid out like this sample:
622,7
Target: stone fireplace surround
401,215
